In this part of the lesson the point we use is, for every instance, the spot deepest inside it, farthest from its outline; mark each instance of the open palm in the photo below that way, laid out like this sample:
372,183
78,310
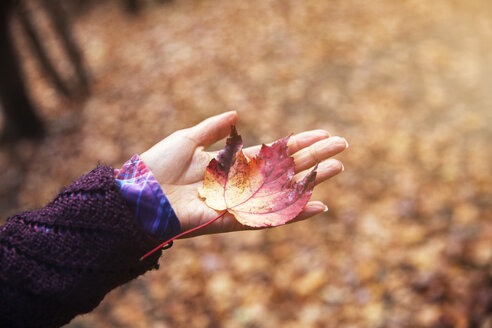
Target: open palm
179,162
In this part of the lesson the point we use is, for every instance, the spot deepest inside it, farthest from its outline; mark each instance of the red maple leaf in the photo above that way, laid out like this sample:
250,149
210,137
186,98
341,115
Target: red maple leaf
258,192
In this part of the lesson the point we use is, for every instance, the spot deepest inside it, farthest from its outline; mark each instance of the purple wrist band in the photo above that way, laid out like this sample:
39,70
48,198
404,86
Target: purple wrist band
146,199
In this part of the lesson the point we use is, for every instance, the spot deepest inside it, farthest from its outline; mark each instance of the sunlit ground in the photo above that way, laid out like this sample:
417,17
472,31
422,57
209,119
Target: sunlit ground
407,241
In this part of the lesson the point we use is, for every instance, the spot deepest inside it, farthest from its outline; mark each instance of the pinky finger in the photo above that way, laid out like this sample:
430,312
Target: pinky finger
311,209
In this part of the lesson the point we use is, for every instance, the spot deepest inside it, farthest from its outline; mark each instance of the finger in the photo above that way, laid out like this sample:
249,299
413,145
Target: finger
311,209
318,152
213,129
296,142
326,170
228,223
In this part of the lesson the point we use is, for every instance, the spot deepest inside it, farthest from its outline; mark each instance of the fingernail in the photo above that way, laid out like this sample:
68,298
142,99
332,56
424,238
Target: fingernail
346,143
322,133
337,140
317,206
326,209
343,167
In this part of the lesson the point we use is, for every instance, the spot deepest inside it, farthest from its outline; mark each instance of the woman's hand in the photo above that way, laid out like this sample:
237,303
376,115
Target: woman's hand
179,162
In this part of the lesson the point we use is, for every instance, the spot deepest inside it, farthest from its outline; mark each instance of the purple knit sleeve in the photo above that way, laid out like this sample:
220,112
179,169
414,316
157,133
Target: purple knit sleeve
147,200
60,261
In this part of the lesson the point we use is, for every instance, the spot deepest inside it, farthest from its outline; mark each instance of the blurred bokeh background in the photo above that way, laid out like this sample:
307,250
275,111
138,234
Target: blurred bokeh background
407,241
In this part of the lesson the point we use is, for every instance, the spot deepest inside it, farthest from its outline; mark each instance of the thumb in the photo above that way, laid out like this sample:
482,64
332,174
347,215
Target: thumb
214,128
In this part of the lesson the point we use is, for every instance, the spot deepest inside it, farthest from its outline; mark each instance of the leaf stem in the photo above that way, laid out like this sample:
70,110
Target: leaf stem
182,234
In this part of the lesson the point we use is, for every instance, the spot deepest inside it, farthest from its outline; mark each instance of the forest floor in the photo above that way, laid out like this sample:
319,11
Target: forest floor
407,241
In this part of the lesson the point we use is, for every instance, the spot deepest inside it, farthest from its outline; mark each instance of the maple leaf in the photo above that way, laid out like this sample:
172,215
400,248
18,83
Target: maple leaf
258,192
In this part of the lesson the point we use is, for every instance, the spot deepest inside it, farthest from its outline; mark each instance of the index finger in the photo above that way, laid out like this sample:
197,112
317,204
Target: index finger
296,142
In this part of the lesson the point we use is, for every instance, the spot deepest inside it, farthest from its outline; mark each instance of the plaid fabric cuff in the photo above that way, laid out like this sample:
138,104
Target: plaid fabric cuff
145,198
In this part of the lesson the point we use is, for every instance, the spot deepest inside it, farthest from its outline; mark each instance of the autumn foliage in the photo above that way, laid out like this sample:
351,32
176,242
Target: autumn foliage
258,192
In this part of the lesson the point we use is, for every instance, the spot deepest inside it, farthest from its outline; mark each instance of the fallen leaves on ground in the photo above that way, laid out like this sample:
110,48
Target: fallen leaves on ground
407,239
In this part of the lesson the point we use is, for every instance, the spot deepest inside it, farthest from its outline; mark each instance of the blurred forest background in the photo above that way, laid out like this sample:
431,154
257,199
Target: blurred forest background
407,241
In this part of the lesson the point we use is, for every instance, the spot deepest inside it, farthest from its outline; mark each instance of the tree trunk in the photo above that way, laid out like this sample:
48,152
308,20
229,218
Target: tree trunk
21,119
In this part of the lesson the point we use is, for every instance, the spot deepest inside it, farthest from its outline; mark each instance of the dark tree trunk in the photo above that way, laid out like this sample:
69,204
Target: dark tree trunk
40,51
62,28
21,119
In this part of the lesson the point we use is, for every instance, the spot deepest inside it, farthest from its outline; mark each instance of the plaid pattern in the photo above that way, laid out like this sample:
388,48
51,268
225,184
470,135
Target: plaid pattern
145,198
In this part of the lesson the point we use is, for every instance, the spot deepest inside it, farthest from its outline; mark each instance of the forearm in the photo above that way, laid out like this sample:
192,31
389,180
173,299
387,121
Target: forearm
61,260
